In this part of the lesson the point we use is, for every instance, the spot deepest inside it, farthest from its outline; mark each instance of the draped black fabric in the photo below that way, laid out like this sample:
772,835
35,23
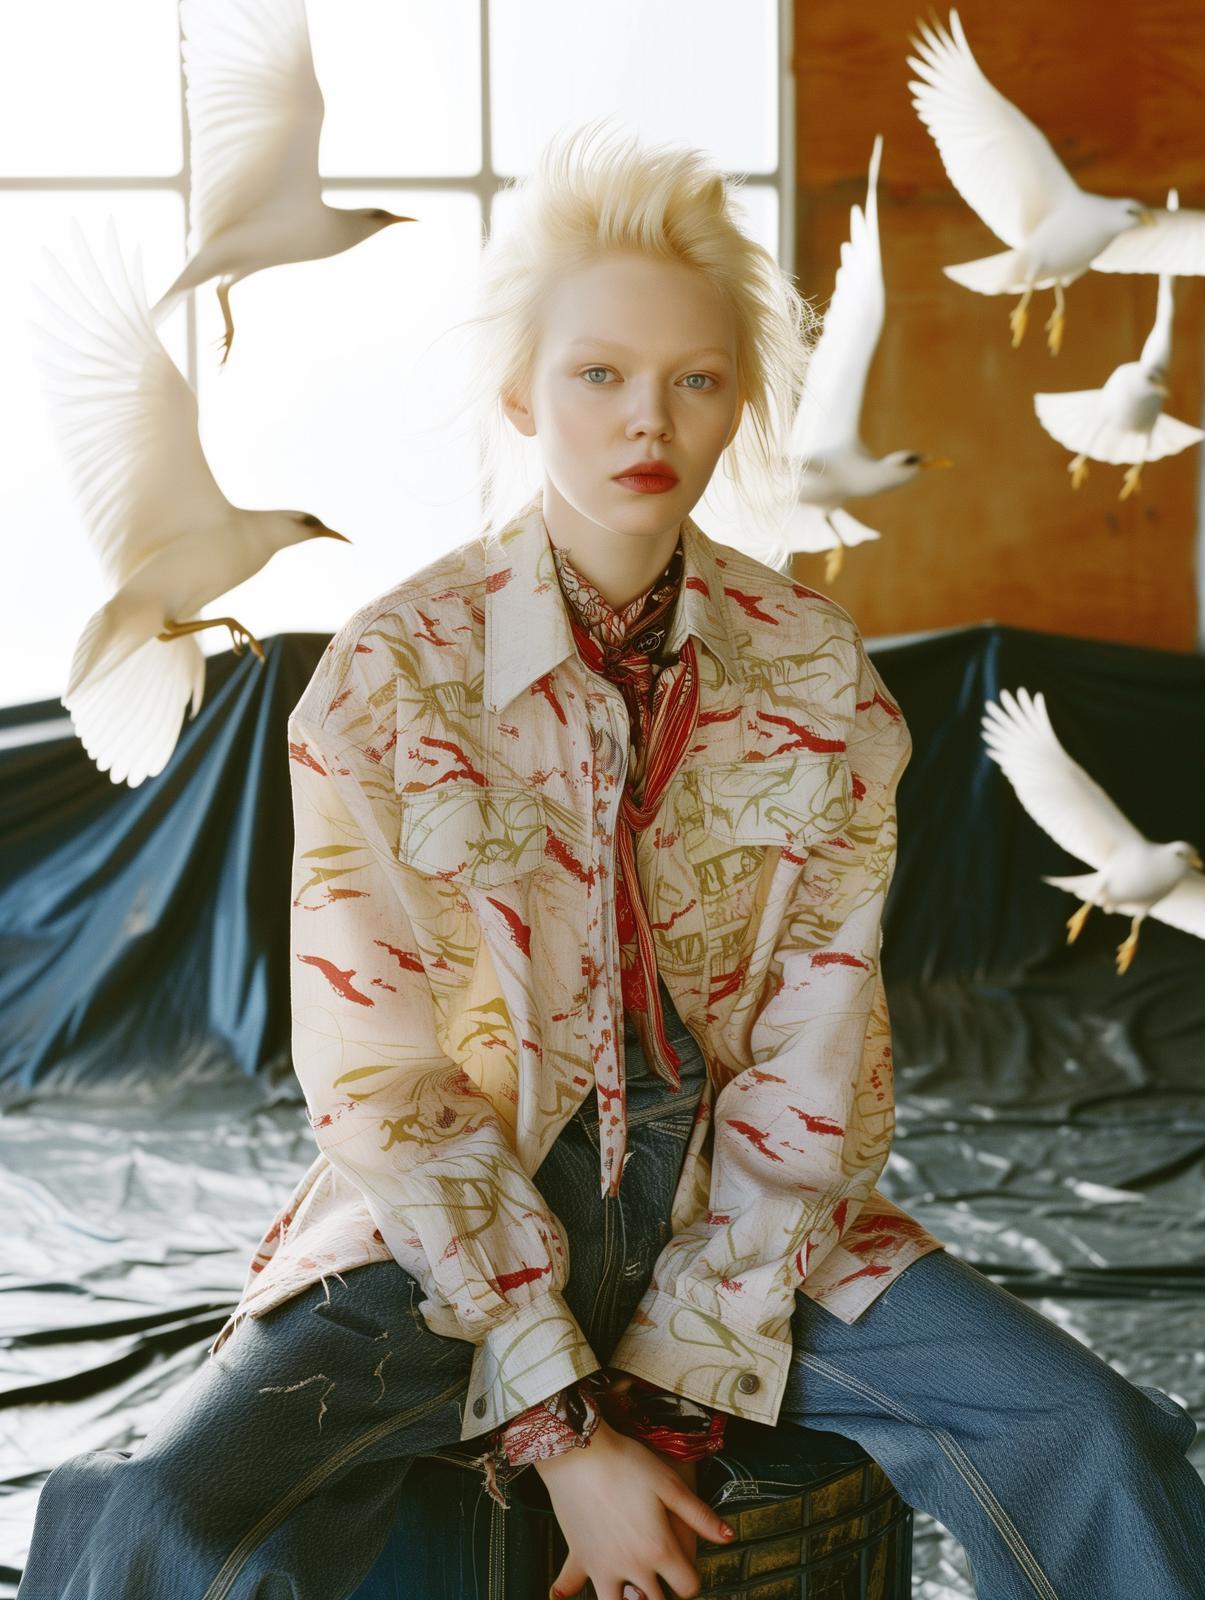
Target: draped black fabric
145,931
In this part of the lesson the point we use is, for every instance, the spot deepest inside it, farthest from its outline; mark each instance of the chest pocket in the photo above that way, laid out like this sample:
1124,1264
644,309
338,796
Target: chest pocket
788,801
478,836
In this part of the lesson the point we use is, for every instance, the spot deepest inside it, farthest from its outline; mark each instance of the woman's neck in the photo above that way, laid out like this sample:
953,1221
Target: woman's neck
621,566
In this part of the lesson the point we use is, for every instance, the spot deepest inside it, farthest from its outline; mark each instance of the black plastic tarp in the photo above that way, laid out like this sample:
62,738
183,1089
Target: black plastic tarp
1052,1114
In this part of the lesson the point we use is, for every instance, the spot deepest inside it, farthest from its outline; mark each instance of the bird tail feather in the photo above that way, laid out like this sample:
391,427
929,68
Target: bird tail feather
1084,885
809,528
1078,421
129,719
990,274
849,530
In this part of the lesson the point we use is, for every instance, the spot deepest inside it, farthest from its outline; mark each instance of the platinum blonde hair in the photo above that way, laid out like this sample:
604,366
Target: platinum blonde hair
592,194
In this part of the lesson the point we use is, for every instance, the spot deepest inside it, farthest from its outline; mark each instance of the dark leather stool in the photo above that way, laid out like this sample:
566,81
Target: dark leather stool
815,1519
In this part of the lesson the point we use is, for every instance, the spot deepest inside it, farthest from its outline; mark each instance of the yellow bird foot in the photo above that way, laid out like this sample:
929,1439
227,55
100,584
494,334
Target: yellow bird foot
833,562
1018,321
1078,468
1131,483
1125,951
1075,923
1054,332
240,637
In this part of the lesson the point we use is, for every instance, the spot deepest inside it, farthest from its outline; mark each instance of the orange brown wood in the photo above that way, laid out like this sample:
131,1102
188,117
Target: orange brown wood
1117,89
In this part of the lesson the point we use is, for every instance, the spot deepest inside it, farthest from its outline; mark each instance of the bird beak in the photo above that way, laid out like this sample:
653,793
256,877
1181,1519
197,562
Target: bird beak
1161,388
929,462
1194,860
1146,219
415,219
329,533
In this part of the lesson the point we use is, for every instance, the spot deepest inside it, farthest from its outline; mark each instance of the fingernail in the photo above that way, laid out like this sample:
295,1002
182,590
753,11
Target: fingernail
726,1532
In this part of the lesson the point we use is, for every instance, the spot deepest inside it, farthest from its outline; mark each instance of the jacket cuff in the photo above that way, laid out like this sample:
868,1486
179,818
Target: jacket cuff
690,1352
536,1352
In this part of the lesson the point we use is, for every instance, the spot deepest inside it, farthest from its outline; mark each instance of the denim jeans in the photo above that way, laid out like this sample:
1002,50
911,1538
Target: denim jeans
282,1472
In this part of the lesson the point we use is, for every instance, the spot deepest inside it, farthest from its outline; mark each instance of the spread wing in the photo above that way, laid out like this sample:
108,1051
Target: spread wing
1056,791
1001,165
124,414
254,110
1174,243
831,406
1184,907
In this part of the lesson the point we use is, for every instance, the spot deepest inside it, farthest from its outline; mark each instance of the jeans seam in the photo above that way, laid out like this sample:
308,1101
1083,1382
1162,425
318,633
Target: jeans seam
300,1492
962,1464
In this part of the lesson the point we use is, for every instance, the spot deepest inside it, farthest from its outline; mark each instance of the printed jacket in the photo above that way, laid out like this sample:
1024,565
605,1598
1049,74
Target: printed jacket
456,776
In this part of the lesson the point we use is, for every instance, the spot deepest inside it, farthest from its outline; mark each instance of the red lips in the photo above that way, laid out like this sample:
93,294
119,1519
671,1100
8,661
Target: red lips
648,477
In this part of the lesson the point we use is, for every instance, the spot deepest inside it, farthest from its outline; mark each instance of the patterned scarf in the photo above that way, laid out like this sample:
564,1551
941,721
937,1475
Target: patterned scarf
662,698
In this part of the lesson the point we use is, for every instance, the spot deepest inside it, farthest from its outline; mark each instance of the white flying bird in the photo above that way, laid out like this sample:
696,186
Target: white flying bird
255,117
1132,876
1006,170
1123,423
167,537
835,466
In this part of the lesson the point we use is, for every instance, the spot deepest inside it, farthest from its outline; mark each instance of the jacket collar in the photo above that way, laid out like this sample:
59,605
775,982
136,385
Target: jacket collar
527,629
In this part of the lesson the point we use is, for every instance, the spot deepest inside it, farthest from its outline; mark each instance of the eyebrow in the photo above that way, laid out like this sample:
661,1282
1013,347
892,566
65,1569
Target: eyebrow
611,344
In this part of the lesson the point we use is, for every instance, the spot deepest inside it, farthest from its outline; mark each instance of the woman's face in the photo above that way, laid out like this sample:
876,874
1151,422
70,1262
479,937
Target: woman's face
633,392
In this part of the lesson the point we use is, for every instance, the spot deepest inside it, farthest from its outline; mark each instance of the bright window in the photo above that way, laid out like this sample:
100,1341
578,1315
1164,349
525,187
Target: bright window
342,393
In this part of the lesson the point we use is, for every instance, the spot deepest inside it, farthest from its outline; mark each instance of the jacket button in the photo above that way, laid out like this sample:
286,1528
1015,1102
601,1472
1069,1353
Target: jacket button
748,1383
479,1404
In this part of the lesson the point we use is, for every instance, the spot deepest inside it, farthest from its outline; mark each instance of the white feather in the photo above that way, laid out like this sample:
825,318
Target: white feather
1133,875
167,537
831,406
254,111
1001,165
1079,421
1056,791
1174,244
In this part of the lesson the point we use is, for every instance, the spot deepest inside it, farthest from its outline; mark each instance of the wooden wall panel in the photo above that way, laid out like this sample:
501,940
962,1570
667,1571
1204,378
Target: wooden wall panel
1120,91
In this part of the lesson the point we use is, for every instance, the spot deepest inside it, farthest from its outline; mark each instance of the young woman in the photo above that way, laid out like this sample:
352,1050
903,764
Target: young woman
594,825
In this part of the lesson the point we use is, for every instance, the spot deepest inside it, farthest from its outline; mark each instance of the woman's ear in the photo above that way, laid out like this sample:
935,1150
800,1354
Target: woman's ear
736,422
519,414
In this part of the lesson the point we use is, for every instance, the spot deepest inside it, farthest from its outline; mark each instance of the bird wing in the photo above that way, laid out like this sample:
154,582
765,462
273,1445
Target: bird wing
254,110
831,406
807,528
849,530
1184,907
1169,436
129,719
1056,791
1175,243
124,415
1001,165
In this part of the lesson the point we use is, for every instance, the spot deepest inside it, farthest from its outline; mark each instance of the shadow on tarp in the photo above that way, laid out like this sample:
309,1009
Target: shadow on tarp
144,932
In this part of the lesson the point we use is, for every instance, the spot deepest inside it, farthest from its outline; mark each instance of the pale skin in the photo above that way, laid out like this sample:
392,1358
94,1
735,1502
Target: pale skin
635,366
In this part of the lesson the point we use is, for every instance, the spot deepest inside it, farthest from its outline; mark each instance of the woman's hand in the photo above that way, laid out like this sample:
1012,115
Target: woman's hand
614,1501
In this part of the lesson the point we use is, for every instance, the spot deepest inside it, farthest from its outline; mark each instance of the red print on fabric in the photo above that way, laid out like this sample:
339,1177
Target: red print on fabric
749,605
498,580
511,1280
818,1124
520,933
756,1138
837,958
468,770
339,981
301,753
406,959
805,738
544,686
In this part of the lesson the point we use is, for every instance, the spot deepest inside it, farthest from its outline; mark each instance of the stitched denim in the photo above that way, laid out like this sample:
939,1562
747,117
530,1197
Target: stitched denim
1061,1479
277,1475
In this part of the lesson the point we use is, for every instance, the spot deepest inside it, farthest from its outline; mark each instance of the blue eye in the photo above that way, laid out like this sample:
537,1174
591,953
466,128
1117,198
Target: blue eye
696,380
596,374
